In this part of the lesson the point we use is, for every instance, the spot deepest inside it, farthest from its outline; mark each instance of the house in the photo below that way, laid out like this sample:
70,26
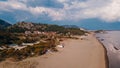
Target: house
27,32
30,44
37,32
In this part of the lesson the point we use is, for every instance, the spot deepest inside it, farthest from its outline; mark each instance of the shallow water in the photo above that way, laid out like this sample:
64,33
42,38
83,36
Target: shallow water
111,40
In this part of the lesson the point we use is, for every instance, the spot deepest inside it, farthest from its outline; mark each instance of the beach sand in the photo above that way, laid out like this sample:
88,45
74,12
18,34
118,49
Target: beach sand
87,53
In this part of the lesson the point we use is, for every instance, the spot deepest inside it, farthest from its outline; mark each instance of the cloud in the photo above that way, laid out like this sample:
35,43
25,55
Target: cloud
59,10
12,6
111,11
105,10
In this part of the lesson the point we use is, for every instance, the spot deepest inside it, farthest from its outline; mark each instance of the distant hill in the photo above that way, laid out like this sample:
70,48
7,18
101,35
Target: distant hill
4,24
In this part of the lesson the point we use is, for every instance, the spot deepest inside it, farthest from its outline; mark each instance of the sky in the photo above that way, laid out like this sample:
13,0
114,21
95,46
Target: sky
88,14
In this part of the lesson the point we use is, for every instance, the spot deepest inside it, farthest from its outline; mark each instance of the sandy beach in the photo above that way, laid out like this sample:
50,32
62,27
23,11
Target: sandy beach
87,53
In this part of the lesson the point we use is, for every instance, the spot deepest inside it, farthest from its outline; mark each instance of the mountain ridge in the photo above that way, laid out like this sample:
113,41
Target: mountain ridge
4,24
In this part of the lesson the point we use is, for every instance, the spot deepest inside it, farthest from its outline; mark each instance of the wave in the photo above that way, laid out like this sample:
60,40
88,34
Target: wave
111,40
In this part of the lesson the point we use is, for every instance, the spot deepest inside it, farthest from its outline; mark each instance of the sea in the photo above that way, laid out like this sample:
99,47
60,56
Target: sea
111,41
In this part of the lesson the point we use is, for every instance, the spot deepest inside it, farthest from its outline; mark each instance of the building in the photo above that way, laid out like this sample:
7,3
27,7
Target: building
27,32
37,32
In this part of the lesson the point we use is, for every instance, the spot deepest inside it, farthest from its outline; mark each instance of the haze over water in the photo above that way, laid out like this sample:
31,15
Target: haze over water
111,40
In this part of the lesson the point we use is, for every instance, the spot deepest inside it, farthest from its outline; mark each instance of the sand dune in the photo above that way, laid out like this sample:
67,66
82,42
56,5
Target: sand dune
87,53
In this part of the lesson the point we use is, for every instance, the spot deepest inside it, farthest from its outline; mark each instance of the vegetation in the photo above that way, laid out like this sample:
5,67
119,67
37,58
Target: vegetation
16,29
29,51
15,34
7,38
99,31
76,31
4,24
56,28
23,26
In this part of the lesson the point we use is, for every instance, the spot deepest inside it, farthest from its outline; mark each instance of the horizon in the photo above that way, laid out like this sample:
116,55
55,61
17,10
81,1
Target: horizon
88,14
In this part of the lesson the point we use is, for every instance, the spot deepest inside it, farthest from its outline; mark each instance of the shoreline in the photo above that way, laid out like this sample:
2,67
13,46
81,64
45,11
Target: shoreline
105,50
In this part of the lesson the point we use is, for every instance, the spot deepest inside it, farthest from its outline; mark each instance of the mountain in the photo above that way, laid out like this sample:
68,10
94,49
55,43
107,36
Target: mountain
4,24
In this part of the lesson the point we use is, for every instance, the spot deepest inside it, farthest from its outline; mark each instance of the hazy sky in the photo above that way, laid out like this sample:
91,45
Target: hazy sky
90,14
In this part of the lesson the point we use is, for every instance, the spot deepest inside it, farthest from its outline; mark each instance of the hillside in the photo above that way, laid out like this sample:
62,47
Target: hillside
21,27
4,24
32,39
70,26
